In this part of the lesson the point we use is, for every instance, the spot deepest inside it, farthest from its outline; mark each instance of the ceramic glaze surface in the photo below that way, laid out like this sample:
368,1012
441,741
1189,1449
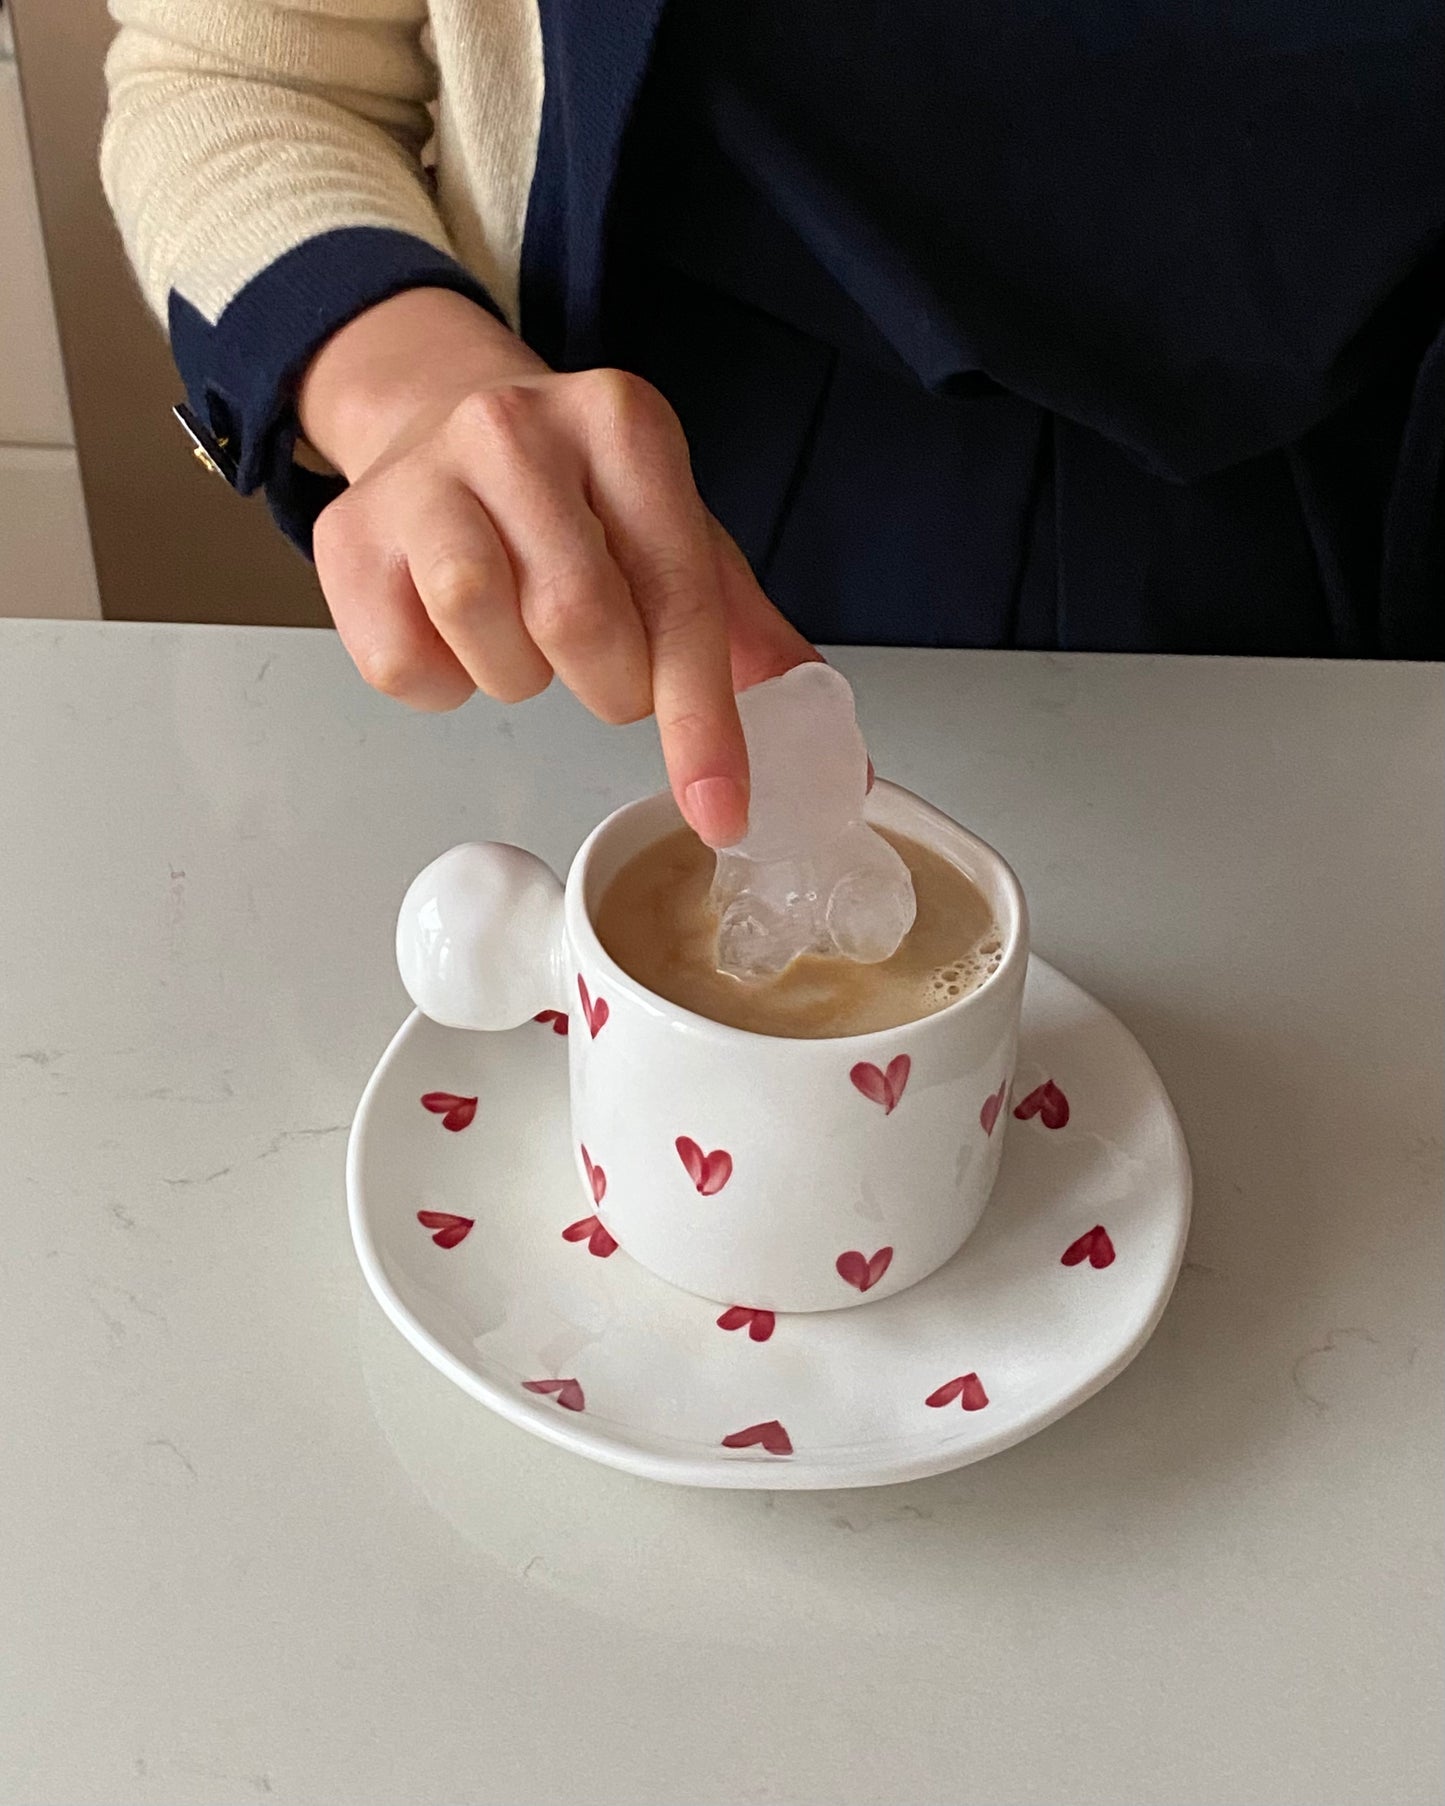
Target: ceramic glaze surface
738,1166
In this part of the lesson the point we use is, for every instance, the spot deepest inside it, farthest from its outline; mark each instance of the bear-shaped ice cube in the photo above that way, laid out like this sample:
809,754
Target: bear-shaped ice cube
810,876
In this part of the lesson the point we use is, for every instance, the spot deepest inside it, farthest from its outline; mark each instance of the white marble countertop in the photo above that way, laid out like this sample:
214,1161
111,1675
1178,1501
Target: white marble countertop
252,1548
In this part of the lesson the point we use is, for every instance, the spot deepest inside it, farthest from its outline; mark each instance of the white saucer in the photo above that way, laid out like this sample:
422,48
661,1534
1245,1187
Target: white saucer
1056,1291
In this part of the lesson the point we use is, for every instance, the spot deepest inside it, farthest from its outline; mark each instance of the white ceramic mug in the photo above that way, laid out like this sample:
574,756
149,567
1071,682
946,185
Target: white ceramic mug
762,1172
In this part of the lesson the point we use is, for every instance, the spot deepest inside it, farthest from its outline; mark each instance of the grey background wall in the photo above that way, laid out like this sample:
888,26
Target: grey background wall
171,542
46,568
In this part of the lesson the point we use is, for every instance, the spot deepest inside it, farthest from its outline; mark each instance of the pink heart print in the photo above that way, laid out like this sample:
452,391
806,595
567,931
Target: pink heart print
864,1270
449,1229
1046,1102
988,1115
591,1231
967,1389
1093,1246
596,1178
758,1324
456,1112
708,1172
595,1010
770,1436
567,1393
557,1019
884,1087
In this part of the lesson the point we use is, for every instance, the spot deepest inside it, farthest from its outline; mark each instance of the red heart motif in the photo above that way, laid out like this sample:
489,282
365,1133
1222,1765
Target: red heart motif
884,1088
557,1018
1046,1102
770,1436
455,1112
595,1010
988,1115
862,1270
967,1389
449,1229
591,1231
596,1178
708,1172
1093,1245
758,1324
567,1393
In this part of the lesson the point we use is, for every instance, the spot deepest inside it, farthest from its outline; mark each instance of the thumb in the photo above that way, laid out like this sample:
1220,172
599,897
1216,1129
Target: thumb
762,642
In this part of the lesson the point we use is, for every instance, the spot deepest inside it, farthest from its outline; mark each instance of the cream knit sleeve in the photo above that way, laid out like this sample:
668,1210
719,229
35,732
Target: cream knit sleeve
238,129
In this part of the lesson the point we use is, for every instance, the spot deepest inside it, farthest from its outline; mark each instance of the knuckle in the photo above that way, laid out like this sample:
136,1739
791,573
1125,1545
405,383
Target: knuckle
509,688
682,722
672,603
628,403
391,667
442,701
606,386
332,531
455,588
573,609
623,711
495,413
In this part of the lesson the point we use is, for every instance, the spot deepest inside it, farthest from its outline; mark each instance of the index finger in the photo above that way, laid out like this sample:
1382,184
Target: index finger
657,531
763,642
692,697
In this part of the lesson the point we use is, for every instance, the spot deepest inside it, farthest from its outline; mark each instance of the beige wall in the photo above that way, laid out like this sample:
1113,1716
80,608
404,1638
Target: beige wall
171,542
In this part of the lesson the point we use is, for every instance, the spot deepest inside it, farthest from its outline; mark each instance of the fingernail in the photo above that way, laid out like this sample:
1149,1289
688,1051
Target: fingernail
717,810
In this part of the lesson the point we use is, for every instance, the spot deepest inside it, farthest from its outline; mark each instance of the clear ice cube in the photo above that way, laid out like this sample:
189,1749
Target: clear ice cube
810,875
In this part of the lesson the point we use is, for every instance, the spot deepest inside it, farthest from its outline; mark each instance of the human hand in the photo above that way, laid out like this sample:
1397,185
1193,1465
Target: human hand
505,522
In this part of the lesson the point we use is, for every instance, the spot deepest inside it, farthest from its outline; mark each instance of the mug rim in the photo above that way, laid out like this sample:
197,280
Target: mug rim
583,940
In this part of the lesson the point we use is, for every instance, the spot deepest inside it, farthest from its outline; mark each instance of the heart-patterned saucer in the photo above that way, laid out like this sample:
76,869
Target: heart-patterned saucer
477,1241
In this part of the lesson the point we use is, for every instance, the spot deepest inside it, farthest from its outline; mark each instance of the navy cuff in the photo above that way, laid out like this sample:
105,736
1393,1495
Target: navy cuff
241,373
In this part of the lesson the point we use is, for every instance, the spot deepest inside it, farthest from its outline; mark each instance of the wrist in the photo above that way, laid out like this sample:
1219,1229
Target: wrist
412,356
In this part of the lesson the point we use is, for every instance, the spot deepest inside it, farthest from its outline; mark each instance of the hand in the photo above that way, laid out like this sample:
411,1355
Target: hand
505,522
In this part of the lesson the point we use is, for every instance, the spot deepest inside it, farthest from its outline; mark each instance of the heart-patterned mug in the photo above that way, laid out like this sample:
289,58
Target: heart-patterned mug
765,1173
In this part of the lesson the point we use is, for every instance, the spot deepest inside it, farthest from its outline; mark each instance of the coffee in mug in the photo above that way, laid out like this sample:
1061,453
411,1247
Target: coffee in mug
656,921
